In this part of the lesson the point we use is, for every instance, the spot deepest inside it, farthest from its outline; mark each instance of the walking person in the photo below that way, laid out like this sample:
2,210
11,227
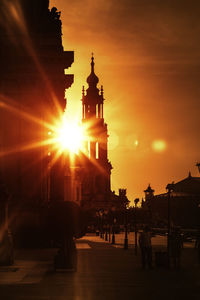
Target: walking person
175,248
197,245
145,247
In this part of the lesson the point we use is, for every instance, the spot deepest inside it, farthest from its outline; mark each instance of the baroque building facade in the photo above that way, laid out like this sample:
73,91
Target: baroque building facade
182,201
32,96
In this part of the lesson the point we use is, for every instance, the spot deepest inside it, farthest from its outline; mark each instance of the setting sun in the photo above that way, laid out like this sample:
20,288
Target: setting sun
159,145
70,135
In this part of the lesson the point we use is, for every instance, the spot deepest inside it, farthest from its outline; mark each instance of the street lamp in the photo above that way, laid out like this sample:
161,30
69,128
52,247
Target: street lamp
198,166
101,223
169,188
113,226
109,232
106,233
136,203
126,231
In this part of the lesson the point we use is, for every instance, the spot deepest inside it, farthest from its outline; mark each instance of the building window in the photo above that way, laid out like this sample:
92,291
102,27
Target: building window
97,110
84,111
101,111
97,150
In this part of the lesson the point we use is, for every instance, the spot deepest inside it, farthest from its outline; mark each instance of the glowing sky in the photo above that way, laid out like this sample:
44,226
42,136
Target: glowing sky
147,55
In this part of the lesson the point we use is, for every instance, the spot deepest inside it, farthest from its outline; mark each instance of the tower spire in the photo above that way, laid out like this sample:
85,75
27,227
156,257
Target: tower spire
92,63
102,90
92,79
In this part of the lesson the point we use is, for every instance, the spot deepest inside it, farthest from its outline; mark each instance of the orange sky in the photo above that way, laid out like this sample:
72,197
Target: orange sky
147,57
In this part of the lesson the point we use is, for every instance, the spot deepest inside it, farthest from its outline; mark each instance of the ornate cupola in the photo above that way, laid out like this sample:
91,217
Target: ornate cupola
92,98
92,117
92,79
149,193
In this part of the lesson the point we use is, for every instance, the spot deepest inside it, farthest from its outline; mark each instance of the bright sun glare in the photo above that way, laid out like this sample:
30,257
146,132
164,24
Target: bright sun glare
70,135
159,145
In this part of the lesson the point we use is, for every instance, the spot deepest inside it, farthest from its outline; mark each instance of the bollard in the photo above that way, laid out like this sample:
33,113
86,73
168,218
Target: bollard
126,239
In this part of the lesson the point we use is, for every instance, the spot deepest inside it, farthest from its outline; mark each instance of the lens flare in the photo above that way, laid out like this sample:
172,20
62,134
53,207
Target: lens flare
132,142
113,141
69,135
159,145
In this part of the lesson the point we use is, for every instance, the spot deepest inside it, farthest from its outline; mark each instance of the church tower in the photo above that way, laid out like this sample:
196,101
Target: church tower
99,167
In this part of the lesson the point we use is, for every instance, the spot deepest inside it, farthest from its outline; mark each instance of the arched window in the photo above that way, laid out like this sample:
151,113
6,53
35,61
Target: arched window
97,150
97,110
101,111
83,111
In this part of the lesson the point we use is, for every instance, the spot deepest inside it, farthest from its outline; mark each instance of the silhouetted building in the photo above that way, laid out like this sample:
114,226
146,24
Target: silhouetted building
97,169
149,193
32,95
184,197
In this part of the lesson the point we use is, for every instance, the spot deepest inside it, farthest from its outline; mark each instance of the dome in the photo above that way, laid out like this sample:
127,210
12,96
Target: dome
92,79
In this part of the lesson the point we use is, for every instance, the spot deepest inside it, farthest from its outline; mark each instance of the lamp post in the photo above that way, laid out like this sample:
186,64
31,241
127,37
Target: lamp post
101,223
198,166
199,216
109,233
113,231
136,246
169,189
126,231
113,226
106,224
97,223
106,233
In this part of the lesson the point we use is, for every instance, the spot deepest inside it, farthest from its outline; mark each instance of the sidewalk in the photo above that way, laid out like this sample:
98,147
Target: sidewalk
30,266
104,272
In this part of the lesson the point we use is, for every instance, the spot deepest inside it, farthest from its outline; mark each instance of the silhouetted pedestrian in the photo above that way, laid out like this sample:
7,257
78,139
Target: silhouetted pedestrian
175,248
197,245
145,247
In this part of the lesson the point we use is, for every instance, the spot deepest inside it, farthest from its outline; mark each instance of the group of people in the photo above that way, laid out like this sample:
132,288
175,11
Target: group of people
174,251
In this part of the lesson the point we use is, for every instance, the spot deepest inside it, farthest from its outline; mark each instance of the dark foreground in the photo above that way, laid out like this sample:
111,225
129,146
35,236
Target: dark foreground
104,272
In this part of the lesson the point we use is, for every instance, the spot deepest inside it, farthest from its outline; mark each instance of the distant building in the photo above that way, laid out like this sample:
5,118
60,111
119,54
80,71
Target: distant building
184,197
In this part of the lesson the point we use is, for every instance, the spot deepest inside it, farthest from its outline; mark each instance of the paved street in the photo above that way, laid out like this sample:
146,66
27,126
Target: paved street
104,272
156,241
